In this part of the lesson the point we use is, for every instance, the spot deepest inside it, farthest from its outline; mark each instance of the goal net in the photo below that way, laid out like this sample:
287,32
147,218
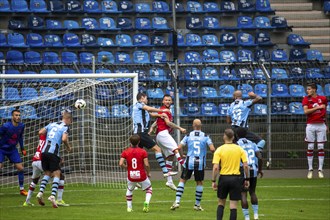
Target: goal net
98,133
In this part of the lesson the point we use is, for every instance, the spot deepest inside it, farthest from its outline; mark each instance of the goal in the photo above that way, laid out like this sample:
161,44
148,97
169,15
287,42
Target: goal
98,133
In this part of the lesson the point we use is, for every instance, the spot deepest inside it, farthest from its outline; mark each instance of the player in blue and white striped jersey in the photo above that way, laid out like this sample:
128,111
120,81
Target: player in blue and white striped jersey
255,165
197,142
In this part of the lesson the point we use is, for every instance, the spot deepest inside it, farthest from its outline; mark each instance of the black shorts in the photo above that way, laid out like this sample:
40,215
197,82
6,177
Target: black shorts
146,141
186,174
253,183
50,162
249,135
229,184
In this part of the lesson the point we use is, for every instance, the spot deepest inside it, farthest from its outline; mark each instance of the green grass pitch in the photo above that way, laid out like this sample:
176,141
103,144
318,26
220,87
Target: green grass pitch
285,199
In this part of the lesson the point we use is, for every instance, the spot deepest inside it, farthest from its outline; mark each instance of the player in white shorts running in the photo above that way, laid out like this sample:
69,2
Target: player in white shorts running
315,109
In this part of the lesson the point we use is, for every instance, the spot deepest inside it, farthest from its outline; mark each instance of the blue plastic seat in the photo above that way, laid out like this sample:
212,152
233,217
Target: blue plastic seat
140,56
143,24
90,24
297,40
244,73
279,74
88,40
50,58
71,40
326,8
143,75
228,39
32,57
297,90
227,56
226,91
122,57
314,73
179,7
210,40
327,89
262,55
38,6
210,73
52,40
124,23
73,6
3,40
194,7
72,25
280,22
19,6
211,7
158,75
69,57
160,7
261,90
12,94
210,56
191,92
103,93
245,22
280,108
194,22
192,57
107,23
28,112
314,54
211,23
141,40
279,55
191,109
180,40
296,108
14,56
85,58
227,6
36,23
102,71
48,71
263,6
16,40
246,5
125,6
123,40
245,88
209,109
68,71
227,73
155,93
34,40
223,109
120,111
245,40
121,92
142,7
102,112
193,40
105,54
260,109
4,6
17,24
91,6
296,72
263,39
297,55
245,55
159,23
46,111
280,90
29,93
192,74
85,71
209,92
262,22
319,90
56,6
109,6
158,56
105,42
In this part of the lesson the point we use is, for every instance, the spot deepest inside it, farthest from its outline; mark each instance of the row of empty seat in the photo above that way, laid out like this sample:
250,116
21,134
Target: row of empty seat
109,6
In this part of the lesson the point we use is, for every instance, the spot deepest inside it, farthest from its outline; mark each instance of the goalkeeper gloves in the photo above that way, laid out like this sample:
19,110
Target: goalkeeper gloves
24,152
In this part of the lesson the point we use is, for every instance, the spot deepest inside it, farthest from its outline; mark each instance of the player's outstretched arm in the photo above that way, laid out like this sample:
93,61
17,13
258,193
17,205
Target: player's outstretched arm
152,109
255,98
153,128
175,126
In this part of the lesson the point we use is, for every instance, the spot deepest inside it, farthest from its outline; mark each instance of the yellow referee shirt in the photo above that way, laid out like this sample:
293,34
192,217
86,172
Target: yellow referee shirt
229,157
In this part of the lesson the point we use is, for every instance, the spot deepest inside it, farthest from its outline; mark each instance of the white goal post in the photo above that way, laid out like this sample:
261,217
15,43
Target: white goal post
98,133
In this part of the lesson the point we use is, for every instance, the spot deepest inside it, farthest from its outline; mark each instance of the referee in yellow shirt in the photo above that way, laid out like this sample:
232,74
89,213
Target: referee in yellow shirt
227,159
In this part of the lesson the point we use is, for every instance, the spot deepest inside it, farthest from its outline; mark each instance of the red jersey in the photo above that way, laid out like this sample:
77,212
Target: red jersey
161,124
42,143
317,116
135,165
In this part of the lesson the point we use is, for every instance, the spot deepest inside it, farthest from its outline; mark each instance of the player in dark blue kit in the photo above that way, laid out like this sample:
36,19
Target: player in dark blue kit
11,134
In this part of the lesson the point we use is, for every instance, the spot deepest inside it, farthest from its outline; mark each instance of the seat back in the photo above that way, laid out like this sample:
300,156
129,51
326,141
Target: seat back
278,74
107,23
245,55
193,6
73,6
123,40
223,109
91,6
296,108
296,40
28,112
29,93
262,22
50,57
209,109
90,24
279,55
245,88
38,6
142,7
155,93
262,55
159,23
245,22
226,91
314,73
141,40
160,6
227,6
122,57
210,73
124,23
280,90
32,57
85,58
210,40
192,57
16,40
191,74
159,40
227,56
194,22
244,73
297,90
34,40
314,54
228,39
157,74
193,40
105,57
246,5
14,56
88,40
46,111
71,24
140,56
211,7
263,6
210,56
260,109
105,42
263,38
327,89
19,6
101,112
71,39
52,40
158,56
297,55
208,92
245,39
109,6
280,108
279,22
120,111
261,90
36,22
259,74
226,73
12,94
4,6
211,22
143,24
56,6
69,57
191,109
191,92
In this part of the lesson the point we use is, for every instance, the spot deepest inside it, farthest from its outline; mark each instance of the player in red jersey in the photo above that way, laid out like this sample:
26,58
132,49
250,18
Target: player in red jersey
165,140
138,171
316,129
37,171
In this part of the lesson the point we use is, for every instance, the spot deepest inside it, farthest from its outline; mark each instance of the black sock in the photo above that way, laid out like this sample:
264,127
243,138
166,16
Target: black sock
220,212
233,214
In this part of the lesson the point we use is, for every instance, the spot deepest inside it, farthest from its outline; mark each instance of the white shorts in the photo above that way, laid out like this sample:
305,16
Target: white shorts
36,169
166,142
316,132
144,184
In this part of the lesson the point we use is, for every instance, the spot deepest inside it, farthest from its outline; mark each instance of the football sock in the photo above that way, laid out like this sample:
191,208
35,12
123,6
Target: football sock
199,193
30,192
321,158
129,198
56,180
161,162
21,179
220,212
255,208
148,194
179,158
310,156
43,183
245,212
169,165
179,192
60,190
233,214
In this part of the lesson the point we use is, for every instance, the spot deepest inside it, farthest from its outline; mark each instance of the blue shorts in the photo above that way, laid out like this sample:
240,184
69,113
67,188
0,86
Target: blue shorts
12,155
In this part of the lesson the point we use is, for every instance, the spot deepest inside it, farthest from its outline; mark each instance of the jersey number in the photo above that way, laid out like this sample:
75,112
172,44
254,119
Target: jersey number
134,163
52,132
251,155
197,147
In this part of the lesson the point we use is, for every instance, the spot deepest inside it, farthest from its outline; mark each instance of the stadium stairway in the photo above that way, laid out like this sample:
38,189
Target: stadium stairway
308,20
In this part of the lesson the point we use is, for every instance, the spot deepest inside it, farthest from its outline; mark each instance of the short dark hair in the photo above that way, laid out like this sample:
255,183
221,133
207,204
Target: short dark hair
134,139
140,95
312,85
229,133
241,132
166,95
15,110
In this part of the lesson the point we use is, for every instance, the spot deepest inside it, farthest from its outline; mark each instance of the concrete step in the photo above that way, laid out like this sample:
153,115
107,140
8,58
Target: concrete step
295,15
317,39
312,31
308,6
309,23
324,48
